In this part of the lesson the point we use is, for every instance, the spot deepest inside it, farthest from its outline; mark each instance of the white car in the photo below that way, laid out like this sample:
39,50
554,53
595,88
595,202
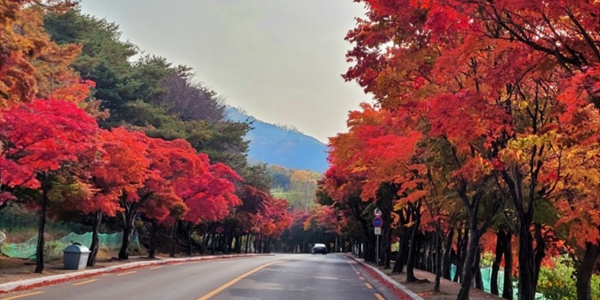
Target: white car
319,248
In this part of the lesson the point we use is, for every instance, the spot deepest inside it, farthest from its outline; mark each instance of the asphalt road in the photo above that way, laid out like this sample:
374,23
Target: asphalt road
280,276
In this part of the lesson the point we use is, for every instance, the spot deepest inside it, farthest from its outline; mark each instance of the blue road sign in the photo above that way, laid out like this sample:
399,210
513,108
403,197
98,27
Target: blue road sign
377,222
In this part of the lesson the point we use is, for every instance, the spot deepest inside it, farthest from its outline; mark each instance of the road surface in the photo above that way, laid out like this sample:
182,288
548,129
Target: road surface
280,276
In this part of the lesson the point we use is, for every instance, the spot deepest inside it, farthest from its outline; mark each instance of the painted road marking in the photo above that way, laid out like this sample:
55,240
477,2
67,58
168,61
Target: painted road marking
84,282
154,268
379,297
126,273
21,296
177,264
369,286
361,278
221,288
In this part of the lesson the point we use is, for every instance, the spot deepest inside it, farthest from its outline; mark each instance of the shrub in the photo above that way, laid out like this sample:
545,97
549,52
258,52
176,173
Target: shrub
558,282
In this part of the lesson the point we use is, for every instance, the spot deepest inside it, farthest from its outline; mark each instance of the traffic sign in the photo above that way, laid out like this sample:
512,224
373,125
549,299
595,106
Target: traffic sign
377,230
377,222
377,212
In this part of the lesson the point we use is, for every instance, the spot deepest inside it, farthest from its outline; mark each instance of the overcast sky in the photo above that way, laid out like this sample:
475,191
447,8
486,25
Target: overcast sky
280,60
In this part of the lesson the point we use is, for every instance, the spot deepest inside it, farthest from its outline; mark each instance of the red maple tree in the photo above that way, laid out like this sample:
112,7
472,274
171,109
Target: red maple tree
38,139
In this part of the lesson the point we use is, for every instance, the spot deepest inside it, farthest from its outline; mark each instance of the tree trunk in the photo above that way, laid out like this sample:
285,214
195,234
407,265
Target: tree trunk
228,241
477,270
259,244
438,256
268,244
539,251
213,246
206,240
526,260
388,248
39,251
188,235
234,243
467,271
222,241
419,253
95,240
429,254
461,255
360,250
128,219
386,194
173,237
412,249
496,265
153,238
585,270
247,243
424,253
507,290
402,253
447,254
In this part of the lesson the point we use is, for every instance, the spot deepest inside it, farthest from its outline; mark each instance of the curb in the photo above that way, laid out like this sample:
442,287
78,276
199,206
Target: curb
36,282
384,276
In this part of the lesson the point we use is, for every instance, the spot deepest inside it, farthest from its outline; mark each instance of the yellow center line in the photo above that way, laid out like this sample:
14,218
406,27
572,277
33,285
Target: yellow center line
21,296
379,297
127,273
369,286
177,264
154,268
221,288
84,282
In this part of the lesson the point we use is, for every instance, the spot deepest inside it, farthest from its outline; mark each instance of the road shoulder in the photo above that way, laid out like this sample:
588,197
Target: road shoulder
422,290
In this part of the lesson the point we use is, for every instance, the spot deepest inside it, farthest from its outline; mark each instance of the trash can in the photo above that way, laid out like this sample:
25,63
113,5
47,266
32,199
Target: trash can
75,256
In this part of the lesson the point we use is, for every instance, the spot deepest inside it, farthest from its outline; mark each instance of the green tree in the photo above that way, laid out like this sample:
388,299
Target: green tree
104,58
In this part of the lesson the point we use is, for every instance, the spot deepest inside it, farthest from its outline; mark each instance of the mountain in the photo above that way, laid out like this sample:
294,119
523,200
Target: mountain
277,145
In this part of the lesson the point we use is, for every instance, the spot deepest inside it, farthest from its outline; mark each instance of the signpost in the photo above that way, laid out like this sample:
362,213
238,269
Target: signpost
377,223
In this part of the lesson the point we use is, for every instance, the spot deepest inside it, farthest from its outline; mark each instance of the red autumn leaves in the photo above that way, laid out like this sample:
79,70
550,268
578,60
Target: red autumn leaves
487,109
122,167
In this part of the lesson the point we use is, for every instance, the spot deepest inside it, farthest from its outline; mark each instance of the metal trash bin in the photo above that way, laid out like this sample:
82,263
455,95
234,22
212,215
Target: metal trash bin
75,256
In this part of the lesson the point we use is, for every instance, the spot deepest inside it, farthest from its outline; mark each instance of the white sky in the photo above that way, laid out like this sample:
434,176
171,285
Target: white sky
280,60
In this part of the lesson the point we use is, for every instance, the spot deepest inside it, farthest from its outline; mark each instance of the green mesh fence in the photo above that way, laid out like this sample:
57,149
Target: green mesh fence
54,248
486,277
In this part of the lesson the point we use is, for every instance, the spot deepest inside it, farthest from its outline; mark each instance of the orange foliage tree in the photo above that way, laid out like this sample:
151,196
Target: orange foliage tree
490,95
25,45
120,169
156,198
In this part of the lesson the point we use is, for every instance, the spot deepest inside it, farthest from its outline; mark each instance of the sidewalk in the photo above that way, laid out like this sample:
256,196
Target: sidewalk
424,290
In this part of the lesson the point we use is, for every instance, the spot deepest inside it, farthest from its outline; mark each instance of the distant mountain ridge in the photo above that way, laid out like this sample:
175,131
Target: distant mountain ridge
277,145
